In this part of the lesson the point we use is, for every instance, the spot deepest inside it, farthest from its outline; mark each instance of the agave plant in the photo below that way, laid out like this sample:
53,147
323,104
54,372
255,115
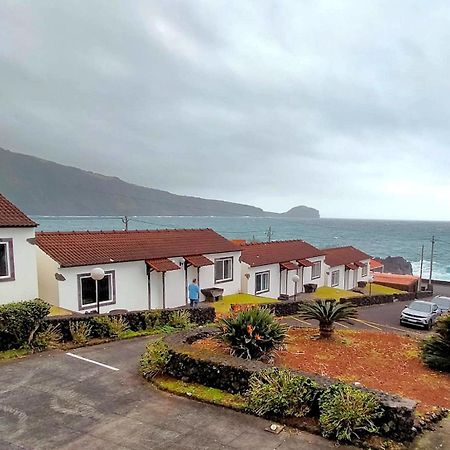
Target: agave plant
252,333
326,312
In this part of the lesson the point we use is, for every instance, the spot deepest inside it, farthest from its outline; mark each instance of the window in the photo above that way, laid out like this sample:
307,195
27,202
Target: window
262,282
6,260
364,270
223,270
316,270
335,278
87,289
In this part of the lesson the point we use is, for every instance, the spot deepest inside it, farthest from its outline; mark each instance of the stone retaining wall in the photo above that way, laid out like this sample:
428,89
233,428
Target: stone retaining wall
232,374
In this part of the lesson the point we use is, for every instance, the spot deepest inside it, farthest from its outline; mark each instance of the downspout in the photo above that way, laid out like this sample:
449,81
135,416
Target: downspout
287,276
164,289
186,265
149,290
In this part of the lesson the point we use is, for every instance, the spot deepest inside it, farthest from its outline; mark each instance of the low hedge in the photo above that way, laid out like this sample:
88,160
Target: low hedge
20,322
137,320
292,307
232,374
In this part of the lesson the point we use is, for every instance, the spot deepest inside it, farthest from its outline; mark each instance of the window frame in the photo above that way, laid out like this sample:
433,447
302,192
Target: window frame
316,264
222,260
11,273
365,270
265,272
333,273
111,274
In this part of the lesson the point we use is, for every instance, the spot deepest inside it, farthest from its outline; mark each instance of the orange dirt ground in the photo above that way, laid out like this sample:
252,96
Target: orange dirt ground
385,361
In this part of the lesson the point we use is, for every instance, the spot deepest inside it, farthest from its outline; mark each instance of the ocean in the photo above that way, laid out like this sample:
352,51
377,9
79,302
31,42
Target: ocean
377,237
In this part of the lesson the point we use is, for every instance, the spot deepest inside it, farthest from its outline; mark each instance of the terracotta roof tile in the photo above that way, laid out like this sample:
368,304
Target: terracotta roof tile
12,216
198,260
340,256
393,278
84,248
261,254
375,264
305,263
162,264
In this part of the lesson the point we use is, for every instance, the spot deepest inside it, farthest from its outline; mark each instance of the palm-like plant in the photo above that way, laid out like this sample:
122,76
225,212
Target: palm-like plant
326,312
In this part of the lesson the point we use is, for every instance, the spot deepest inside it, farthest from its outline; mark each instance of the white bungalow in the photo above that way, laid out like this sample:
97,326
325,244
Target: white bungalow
268,268
18,273
144,269
346,266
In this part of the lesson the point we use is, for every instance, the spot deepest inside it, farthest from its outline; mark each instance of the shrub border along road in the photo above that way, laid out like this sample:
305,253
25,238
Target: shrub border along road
232,374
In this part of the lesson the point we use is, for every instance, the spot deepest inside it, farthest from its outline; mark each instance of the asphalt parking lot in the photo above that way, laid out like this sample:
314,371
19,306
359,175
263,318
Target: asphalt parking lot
54,400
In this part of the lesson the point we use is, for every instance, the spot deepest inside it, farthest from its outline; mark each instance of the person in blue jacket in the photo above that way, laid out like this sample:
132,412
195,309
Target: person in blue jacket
194,293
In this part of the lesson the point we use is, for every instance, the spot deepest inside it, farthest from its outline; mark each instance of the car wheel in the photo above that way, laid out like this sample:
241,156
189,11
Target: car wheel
428,325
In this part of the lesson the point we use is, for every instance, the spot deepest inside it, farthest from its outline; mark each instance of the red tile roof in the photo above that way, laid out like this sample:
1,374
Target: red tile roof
393,278
198,261
375,264
12,216
261,254
84,248
162,265
339,256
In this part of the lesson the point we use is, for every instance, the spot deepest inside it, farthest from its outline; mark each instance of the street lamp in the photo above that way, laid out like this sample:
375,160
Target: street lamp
97,274
295,279
370,281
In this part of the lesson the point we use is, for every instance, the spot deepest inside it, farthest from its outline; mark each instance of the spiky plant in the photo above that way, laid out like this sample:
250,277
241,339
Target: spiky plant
436,349
326,312
250,334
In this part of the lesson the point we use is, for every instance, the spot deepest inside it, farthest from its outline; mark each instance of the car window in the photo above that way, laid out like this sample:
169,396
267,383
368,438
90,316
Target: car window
442,302
422,307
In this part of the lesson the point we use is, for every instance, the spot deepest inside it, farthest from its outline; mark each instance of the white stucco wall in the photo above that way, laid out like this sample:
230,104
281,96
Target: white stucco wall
25,285
131,286
47,284
307,271
348,279
274,280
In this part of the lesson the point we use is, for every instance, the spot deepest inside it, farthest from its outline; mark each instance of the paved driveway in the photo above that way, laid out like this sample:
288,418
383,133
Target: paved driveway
56,401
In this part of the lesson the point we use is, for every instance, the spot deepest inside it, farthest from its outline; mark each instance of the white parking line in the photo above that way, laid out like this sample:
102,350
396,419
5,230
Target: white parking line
91,361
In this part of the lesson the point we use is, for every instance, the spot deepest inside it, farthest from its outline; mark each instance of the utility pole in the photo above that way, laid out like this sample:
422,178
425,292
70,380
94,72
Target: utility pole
431,260
421,269
269,234
125,220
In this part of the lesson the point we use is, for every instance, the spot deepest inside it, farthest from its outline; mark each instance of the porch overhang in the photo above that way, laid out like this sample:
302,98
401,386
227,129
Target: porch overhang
162,265
288,265
305,263
351,266
198,261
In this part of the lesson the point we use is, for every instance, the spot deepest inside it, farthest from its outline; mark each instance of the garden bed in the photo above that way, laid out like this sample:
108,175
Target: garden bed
383,361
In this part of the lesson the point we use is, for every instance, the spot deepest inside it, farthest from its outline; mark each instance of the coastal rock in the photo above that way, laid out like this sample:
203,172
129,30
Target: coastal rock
302,212
397,264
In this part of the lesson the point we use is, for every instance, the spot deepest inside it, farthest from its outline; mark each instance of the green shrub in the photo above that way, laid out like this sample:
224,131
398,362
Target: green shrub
100,326
252,333
152,319
50,337
280,393
347,413
80,331
180,319
19,323
436,349
155,359
117,326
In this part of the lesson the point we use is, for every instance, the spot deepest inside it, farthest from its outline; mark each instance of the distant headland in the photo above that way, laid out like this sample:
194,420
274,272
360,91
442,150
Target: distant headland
42,187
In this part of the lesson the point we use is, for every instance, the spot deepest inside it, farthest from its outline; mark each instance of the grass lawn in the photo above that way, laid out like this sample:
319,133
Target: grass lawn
223,306
337,294
57,311
378,289
384,361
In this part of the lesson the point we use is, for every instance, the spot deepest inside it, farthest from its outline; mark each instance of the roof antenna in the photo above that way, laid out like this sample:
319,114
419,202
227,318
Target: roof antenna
125,220
269,234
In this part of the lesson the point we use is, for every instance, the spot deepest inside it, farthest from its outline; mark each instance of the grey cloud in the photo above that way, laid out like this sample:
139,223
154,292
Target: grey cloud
325,103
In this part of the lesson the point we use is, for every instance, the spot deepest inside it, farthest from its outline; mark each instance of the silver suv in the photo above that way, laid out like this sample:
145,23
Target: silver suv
420,313
443,303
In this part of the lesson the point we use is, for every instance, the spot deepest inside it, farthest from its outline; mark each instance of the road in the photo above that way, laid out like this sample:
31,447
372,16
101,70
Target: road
56,401
376,318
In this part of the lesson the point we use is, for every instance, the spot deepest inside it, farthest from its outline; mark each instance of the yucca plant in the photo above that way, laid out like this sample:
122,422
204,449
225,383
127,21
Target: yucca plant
250,334
326,312
436,349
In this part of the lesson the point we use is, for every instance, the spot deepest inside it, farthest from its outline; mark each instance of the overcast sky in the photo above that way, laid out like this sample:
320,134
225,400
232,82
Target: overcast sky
339,105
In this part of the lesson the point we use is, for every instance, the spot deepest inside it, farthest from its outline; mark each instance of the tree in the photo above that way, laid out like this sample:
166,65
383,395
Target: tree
326,312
